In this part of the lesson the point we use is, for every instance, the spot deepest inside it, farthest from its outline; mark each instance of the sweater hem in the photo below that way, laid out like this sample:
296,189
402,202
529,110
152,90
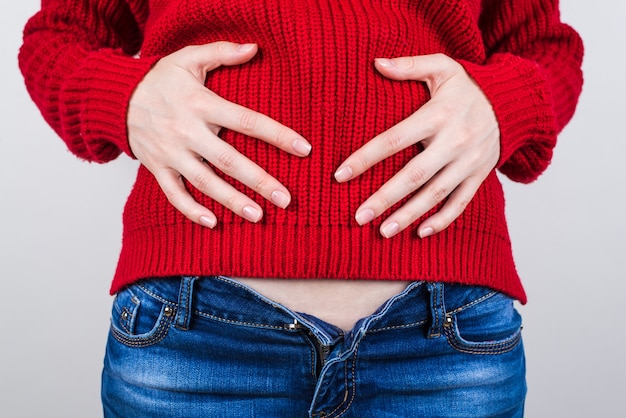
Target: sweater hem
329,252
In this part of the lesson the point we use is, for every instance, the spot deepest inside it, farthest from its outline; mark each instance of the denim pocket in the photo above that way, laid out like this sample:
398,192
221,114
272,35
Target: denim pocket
489,325
139,319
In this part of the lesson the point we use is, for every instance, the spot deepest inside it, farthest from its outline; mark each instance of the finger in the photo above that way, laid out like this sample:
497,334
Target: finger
172,185
204,179
257,125
452,209
429,196
410,178
420,125
204,58
232,163
433,69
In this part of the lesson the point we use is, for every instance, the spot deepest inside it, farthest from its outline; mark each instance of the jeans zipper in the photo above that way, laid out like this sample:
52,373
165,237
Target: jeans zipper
322,350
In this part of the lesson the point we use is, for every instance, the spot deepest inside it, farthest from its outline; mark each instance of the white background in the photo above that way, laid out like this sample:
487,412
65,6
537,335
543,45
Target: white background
60,229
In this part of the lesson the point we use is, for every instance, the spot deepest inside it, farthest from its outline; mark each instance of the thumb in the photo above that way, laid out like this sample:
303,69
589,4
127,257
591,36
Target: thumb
205,58
433,69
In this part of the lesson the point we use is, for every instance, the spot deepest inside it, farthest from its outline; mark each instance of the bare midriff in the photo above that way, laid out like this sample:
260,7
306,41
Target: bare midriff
339,302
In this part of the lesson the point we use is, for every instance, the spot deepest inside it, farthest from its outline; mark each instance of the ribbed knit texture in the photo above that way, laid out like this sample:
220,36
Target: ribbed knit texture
314,72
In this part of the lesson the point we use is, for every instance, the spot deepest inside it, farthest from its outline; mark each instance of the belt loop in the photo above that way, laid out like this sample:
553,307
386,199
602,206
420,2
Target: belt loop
437,309
185,303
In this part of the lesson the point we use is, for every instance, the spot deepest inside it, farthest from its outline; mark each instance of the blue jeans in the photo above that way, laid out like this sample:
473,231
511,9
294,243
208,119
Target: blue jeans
212,347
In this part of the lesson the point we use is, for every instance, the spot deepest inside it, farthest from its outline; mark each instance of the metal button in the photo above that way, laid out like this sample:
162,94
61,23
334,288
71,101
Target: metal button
168,311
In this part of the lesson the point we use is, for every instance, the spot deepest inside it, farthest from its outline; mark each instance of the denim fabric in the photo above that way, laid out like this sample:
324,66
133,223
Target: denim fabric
212,347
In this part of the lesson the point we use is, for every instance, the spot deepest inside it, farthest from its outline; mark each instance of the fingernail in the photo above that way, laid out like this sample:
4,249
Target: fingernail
426,232
280,199
245,47
364,216
208,221
252,214
384,62
301,147
343,174
390,229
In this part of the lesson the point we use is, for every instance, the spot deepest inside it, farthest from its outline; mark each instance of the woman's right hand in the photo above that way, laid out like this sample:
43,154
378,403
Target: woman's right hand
173,126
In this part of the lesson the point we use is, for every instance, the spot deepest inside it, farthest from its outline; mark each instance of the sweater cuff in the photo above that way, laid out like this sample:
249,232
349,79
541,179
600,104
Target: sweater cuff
523,107
102,87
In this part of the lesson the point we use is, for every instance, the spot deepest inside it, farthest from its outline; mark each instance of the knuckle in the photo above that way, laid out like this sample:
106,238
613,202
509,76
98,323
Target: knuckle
385,201
461,205
416,177
456,146
171,196
448,110
261,184
439,117
202,182
410,64
231,202
281,138
393,139
174,197
438,194
199,100
247,120
221,47
226,162
362,162
181,133
432,127
209,106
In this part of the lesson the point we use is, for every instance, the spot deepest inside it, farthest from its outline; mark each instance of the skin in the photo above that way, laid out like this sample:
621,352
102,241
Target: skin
461,140
174,122
173,126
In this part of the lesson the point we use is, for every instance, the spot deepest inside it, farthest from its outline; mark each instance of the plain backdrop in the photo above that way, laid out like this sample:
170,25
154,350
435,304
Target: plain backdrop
60,233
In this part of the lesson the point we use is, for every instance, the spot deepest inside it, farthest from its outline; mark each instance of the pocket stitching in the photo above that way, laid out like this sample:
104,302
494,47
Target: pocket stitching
154,295
156,335
474,302
454,338
236,322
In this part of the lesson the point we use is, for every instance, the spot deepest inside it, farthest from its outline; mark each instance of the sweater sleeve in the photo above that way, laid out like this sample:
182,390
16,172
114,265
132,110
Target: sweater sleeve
532,76
80,65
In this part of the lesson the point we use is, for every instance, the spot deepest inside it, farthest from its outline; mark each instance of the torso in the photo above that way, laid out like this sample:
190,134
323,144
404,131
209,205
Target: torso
339,302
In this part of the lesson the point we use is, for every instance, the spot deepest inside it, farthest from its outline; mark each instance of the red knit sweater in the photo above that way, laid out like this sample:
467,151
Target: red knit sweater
315,74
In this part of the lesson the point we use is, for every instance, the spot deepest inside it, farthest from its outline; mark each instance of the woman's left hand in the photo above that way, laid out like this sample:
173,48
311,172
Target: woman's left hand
459,132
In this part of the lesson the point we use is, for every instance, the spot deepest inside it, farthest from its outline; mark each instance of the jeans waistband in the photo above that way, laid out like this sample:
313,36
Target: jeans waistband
220,298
